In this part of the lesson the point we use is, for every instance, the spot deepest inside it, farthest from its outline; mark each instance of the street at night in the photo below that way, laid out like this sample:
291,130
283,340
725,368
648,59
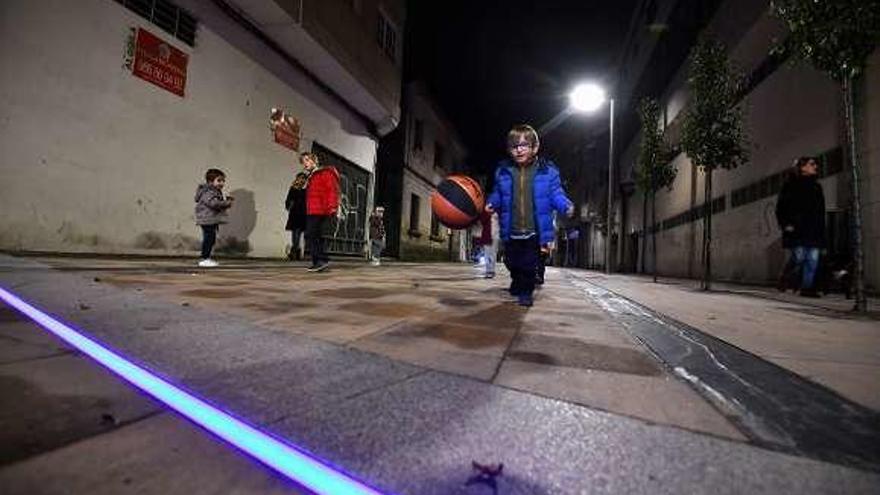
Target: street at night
429,248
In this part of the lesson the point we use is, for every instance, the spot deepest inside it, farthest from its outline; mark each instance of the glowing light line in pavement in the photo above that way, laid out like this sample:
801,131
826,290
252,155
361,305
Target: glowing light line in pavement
284,458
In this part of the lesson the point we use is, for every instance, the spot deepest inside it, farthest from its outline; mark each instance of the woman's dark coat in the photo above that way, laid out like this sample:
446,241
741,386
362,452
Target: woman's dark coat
801,204
295,203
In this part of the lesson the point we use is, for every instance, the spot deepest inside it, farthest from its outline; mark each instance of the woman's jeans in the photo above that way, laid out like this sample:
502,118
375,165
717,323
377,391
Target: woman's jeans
807,260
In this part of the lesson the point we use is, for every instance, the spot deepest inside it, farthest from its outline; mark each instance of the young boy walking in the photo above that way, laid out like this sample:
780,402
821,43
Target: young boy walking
377,235
526,192
322,202
211,206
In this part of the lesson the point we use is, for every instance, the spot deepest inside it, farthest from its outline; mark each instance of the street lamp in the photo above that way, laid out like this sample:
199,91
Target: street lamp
587,98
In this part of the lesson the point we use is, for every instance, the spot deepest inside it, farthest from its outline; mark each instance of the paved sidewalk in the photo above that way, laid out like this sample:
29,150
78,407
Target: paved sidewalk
399,374
818,339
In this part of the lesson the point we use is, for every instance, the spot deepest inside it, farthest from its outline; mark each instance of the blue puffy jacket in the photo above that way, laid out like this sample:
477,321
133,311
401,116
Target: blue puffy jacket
548,196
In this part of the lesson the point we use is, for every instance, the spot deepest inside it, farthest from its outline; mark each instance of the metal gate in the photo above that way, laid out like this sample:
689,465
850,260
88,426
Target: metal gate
345,233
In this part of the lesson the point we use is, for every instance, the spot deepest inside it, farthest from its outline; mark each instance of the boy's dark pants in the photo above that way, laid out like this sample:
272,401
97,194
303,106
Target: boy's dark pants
314,229
209,237
521,256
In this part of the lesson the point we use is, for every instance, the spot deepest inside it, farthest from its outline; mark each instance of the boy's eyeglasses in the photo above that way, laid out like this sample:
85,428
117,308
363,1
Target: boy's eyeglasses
517,146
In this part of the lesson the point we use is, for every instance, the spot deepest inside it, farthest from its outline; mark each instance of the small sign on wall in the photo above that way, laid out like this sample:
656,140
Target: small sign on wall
156,61
284,128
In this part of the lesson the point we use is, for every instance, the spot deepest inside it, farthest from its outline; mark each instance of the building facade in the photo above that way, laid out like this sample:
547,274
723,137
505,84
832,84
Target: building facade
413,160
791,110
115,109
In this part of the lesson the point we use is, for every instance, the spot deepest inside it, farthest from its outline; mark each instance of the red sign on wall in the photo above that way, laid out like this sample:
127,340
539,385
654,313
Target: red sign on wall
285,129
159,63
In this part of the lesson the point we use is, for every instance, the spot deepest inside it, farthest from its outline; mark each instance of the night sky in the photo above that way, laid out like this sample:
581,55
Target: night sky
492,64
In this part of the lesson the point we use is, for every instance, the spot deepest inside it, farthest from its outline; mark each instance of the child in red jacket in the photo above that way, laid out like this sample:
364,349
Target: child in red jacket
322,202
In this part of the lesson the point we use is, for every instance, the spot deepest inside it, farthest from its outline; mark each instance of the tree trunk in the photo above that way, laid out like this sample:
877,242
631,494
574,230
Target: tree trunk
654,234
707,232
858,254
644,245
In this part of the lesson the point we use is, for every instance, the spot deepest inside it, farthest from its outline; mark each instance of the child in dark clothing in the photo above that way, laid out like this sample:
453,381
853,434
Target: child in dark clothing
211,206
295,204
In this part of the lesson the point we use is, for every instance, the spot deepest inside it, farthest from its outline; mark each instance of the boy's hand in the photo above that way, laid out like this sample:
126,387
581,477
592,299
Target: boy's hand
489,208
570,211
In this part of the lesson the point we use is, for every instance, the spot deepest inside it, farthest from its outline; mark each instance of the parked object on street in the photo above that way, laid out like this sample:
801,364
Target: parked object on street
295,204
377,235
211,206
526,193
322,202
800,213
457,201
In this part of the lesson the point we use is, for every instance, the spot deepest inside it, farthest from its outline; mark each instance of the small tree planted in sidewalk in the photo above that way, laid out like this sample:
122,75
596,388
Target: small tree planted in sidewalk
654,171
837,38
712,133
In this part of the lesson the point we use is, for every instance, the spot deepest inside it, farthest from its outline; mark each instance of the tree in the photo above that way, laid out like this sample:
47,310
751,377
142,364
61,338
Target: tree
654,170
712,133
837,38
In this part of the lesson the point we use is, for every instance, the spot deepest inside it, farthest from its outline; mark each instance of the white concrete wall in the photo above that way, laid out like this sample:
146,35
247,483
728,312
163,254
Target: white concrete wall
97,160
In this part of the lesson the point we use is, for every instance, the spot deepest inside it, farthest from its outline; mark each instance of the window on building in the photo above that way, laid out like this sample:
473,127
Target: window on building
414,212
435,227
418,134
386,36
167,16
439,155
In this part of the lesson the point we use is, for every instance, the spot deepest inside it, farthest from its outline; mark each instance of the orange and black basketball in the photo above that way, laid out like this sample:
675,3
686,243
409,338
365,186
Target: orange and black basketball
458,201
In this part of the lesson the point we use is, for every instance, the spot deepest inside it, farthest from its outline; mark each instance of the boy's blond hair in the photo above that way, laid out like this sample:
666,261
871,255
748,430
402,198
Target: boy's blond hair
521,131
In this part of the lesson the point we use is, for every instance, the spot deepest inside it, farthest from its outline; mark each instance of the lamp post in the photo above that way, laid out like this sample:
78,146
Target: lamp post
587,98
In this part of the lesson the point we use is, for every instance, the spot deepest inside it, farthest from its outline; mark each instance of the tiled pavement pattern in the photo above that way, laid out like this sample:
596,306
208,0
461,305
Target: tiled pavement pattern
471,377
444,318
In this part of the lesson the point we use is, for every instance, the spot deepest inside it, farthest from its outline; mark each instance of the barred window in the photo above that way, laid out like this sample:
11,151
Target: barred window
167,16
386,36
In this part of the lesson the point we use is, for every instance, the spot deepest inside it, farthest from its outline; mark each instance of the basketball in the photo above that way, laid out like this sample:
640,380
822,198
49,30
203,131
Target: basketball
457,201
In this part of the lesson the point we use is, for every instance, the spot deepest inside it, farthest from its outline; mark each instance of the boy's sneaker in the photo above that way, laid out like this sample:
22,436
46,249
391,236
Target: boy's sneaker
525,300
208,263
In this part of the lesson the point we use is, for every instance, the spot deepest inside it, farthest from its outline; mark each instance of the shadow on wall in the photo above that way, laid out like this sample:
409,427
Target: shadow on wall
233,236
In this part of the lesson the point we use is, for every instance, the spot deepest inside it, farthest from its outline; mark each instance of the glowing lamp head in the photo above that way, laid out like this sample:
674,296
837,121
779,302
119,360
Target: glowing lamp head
587,97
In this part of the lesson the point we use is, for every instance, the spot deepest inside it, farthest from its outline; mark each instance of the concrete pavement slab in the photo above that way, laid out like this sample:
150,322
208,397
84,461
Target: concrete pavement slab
159,455
50,402
420,436
658,399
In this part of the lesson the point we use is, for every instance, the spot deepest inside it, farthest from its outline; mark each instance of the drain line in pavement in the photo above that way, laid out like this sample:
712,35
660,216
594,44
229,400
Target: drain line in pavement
773,406
287,459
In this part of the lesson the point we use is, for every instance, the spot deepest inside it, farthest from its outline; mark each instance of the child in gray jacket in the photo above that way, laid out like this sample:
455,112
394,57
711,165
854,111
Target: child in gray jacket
211,206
